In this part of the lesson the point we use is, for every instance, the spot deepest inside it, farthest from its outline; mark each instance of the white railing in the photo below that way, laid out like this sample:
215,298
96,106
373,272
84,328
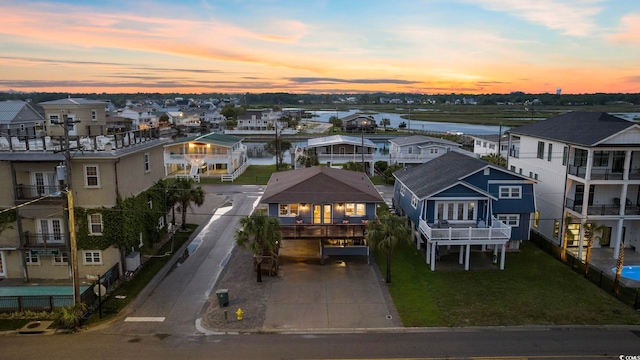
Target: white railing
498,232
350,157
238,172
186,158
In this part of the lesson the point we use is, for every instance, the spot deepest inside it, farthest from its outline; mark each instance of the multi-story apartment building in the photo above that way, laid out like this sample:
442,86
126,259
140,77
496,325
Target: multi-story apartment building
109,175
587,164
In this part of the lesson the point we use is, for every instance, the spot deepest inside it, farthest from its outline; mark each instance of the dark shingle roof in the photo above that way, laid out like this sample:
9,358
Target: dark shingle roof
320,184
579,128
439,173
211,138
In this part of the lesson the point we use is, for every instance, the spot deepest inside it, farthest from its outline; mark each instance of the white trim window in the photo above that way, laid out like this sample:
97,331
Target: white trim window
50,231
353,209
456,210
402,189
147,164
91,176
94,115
433,151
95,224
510,219
289,209
414,201
91,257
61,259
510,192
54,119
31,259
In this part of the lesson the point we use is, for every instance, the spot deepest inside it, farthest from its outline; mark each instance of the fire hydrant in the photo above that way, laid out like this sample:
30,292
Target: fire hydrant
239,314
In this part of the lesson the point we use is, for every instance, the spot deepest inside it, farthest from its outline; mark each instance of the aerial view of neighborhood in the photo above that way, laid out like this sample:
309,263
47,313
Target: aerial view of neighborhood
271,180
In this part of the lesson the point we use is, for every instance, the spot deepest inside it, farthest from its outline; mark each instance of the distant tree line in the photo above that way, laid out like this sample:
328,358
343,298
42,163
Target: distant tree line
283,99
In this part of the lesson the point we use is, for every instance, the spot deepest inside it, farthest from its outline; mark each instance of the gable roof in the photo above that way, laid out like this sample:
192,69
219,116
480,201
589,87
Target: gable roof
422,140
211,138
320,184
10,111
578,127
439,173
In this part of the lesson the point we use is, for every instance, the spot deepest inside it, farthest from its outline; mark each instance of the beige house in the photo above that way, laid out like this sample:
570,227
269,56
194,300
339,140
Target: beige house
34,240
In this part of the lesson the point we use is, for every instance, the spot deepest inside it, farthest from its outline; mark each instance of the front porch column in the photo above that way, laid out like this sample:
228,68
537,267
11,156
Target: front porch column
502,256
428,254
619,239
466,259
322,252
461,254
495,253
433,257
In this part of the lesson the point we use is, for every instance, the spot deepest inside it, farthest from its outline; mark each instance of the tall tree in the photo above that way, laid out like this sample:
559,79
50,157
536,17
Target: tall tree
385,122
259,233
568,235
385,233
278,147
186,194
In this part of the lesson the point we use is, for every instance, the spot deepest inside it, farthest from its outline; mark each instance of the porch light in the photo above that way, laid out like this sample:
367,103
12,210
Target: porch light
340,204
304,205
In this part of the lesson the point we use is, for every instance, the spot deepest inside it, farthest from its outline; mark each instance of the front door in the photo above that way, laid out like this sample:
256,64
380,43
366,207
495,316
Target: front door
317,214
322,214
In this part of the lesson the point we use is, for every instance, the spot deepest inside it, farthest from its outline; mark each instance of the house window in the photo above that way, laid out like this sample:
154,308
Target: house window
556,229
31,259
433,151
601,158
492,146
147,167
510,192
61,259
54,119
414,201
91,176
512,168
289,209
510,219
540,150
536,219
484,144
549,152
160,222
95,224
456,211
535,176
150,203
580,157
50,231
92,257
531,174
565,155
402,190
94,115
478,142
353,209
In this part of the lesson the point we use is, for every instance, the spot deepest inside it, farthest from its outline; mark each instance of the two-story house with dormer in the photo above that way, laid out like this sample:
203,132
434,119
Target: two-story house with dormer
340,149
588,164
457,200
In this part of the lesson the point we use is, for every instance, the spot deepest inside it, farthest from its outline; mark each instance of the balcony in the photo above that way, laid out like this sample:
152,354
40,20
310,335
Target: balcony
32,192
44,240
498,233
600,174
604,209
195,158
322,158
322,231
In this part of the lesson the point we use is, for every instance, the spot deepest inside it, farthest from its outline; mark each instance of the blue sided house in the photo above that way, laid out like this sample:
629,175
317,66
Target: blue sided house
459,200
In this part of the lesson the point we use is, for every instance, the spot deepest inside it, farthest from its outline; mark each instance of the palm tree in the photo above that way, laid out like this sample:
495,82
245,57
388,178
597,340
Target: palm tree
259,233
184,193
384,234
619,264
590,231
385,122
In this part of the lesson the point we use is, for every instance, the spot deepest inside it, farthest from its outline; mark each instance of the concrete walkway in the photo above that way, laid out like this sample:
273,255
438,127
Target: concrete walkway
344,293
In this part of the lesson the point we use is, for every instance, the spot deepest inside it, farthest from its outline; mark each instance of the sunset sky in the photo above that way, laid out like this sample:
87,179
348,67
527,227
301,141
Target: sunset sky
329,46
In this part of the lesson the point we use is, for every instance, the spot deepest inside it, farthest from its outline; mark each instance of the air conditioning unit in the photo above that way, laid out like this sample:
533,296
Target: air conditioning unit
132,261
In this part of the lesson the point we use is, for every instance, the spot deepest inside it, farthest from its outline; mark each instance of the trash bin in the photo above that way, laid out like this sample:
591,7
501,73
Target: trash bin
223,297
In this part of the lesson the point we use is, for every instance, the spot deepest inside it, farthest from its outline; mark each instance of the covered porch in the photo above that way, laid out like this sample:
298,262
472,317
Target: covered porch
332,240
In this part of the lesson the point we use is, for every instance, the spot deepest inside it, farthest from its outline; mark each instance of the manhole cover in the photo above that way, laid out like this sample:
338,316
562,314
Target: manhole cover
33,325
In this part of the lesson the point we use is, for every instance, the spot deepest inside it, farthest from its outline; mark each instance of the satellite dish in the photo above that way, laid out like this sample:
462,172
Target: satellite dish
100,291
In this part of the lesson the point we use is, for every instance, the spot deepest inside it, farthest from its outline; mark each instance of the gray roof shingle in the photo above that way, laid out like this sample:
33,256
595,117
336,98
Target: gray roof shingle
320,184
439,173
578,127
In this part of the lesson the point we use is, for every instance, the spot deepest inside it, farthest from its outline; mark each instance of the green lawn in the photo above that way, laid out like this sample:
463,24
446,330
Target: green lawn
254,175
534,289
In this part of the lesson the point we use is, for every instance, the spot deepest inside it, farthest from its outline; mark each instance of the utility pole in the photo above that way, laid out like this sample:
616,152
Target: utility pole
364,122
66,184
